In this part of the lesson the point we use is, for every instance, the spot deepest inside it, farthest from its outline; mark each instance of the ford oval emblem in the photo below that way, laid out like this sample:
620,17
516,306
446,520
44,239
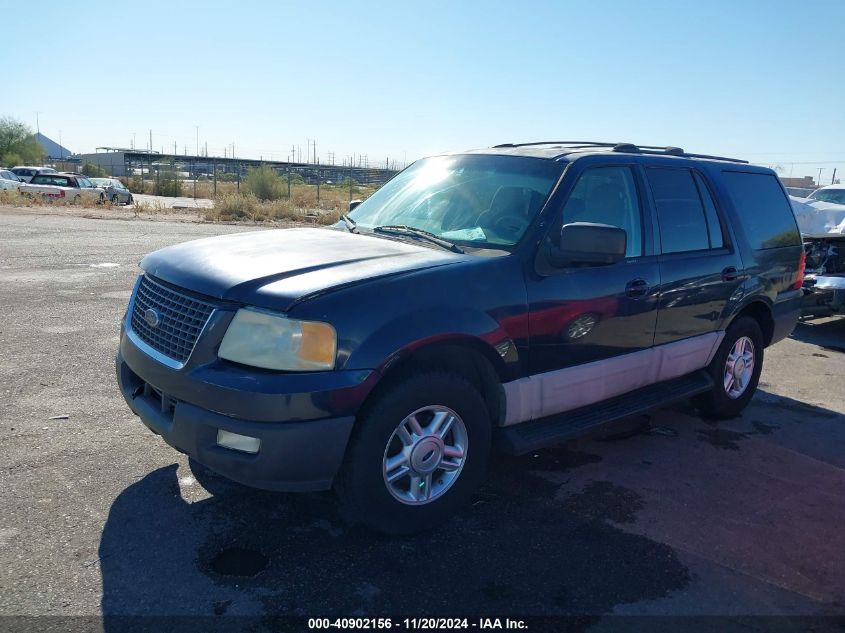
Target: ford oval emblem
152,317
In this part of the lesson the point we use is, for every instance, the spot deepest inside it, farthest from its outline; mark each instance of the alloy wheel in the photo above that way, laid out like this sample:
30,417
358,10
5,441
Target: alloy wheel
424,455
739,367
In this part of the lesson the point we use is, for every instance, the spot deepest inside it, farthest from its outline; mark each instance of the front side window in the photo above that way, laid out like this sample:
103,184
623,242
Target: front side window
608,195
680,213
476,200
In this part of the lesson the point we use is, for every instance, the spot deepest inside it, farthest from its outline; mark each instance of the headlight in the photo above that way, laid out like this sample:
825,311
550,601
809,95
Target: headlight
271,341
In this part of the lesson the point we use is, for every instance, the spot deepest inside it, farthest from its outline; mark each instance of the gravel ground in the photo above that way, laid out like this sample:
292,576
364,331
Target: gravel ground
677,516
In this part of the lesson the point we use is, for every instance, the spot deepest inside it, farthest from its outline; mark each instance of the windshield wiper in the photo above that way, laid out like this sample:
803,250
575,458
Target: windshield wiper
350,223
404,229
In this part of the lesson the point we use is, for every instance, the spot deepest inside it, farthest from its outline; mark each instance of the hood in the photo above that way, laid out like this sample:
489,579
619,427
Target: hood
276,269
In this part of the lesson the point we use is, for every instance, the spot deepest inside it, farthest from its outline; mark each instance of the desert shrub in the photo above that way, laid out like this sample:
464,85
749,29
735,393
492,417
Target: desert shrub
167,182
265,183
247,206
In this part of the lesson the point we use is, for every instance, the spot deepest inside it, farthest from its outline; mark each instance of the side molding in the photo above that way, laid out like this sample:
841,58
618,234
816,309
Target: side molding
572,387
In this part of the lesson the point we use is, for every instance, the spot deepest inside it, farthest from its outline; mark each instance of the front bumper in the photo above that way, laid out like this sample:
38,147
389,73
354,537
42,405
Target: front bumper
303,421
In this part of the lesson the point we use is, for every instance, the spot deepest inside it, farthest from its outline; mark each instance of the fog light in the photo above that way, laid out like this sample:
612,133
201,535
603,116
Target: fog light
243,443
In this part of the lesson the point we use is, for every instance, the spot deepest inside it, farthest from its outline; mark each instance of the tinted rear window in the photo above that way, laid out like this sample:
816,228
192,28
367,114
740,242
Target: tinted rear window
679,210
47,179
763,208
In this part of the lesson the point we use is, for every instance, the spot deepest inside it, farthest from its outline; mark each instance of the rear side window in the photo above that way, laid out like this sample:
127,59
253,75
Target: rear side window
714,226
764,210
680,212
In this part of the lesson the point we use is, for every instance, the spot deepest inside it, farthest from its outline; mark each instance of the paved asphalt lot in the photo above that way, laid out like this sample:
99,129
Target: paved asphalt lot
680,515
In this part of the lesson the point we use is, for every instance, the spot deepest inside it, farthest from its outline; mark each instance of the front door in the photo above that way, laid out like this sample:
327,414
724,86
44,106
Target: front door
591,327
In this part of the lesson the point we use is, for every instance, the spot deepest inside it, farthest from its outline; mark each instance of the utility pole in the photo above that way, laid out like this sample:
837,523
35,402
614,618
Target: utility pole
820,175
37,122
197,127
151,141
833,177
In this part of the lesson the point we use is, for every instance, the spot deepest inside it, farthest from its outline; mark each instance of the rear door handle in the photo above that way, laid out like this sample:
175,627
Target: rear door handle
636,288
730,274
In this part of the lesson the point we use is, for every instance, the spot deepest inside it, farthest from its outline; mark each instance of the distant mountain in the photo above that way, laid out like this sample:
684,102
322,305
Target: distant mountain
51,148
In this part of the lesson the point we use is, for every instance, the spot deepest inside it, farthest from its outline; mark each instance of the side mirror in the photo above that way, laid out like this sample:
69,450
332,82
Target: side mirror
353,204
588,244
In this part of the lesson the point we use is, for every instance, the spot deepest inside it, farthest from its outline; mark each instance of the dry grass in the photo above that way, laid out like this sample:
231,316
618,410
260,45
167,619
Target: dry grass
332,197
235,207
17,199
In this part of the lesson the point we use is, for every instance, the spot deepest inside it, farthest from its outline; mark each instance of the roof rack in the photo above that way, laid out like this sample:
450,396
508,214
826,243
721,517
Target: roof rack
627,148
574,143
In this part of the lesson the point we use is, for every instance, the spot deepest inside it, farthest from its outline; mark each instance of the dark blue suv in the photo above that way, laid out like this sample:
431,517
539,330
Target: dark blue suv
508,298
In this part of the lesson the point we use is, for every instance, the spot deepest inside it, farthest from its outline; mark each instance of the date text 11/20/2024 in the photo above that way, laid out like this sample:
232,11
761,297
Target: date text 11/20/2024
421,624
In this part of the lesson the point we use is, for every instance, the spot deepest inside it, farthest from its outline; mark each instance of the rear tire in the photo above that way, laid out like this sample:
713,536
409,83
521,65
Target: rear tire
734,383
433,470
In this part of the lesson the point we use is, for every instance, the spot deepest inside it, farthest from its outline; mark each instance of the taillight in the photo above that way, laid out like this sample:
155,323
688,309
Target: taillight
59,194
802,265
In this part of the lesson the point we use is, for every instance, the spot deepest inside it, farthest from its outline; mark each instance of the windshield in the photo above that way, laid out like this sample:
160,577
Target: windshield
836,196
101,182
476,200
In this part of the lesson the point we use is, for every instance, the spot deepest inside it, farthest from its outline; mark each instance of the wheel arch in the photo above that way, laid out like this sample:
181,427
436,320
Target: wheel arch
469,357
761,312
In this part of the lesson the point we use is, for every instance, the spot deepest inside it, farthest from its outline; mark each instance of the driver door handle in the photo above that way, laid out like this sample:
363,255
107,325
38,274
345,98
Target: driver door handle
636,288
730,274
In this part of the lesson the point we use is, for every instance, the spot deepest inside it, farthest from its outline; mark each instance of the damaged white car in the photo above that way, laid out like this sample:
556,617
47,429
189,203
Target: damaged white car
821,218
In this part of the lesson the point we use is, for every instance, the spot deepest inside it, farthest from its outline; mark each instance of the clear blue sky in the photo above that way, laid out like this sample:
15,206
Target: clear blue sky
759,79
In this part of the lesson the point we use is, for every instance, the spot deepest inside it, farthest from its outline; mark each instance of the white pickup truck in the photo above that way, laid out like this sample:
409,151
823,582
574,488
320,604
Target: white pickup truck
62,186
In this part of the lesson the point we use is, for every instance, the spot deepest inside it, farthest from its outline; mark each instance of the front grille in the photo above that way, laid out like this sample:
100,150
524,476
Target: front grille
181,319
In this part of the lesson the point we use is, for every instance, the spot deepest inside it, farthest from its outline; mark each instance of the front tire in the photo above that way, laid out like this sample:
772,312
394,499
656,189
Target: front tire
735,370
416,454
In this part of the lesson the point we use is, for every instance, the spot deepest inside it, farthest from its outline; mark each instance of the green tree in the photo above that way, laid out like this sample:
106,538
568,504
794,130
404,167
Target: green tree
167,181
93,170
18,144
265,183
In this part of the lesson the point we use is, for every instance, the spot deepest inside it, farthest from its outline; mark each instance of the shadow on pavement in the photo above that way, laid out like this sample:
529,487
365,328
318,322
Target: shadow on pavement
514,550
527,544
826,333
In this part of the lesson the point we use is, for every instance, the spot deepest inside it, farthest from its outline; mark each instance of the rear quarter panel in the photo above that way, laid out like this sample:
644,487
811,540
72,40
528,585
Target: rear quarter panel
770,274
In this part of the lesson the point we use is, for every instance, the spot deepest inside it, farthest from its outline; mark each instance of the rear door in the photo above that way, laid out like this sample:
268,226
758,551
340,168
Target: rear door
700,268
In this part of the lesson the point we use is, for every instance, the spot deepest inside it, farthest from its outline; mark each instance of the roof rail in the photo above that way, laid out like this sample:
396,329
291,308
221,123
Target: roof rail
627,148
707,156
574,143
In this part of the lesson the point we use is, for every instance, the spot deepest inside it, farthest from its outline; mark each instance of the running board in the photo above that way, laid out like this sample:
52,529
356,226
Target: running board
528,436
